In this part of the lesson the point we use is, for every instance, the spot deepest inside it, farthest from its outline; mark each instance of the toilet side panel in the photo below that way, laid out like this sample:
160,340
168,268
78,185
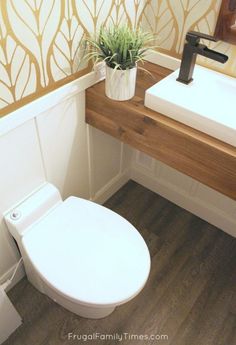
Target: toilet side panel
32,275
31,209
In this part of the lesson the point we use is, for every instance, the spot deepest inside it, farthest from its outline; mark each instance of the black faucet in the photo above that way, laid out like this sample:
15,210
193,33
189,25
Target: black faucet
192,47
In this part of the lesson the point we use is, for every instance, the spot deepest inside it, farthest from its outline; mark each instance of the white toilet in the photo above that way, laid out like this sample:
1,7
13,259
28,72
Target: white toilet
84,256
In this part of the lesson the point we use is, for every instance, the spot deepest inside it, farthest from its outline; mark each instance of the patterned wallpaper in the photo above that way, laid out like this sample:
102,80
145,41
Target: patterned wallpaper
171,19
41,40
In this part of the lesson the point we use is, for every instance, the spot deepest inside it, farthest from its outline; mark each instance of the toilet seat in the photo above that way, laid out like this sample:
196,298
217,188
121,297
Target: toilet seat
88,253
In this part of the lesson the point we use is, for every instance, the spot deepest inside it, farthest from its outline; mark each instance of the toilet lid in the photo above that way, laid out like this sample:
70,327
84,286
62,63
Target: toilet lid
88,253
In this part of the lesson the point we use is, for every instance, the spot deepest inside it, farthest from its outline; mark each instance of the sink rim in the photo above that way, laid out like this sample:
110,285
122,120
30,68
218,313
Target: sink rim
160,99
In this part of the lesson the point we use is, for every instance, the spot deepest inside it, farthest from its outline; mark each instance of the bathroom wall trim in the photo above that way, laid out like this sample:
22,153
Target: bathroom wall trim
112,187
163,60
115,183
48,101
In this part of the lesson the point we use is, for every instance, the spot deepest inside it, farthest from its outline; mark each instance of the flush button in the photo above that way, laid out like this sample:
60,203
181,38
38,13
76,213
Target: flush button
15,215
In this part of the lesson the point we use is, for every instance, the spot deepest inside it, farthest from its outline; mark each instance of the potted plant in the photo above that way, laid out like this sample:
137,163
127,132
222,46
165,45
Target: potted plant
121,48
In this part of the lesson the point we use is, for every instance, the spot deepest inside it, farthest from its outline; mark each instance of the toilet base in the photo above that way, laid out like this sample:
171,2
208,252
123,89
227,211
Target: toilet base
49,229
89,312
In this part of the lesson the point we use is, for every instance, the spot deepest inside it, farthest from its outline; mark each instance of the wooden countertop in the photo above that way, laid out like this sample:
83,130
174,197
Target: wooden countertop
192,152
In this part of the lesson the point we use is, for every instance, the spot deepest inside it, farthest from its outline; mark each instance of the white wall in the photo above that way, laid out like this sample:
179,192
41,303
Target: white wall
56,146
21,171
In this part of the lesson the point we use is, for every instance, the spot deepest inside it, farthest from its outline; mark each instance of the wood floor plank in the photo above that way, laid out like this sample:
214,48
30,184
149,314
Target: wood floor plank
227,333
190,294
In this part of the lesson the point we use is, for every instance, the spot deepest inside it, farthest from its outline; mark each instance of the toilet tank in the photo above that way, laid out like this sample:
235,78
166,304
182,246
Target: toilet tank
31,209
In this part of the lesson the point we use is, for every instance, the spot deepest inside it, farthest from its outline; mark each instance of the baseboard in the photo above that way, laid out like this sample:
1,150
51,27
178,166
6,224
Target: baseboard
205,211
20,273
112,187
50,100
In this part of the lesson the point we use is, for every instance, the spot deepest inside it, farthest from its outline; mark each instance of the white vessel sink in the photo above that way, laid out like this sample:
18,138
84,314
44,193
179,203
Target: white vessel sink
207,104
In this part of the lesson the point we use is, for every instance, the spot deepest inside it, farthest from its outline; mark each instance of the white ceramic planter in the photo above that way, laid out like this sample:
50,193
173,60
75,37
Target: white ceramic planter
120,84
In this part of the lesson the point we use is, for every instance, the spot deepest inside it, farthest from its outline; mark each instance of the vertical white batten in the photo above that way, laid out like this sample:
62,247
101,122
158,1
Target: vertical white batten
90,163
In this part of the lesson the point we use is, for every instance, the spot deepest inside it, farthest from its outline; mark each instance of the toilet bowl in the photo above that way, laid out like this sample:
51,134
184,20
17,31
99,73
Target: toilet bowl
84,256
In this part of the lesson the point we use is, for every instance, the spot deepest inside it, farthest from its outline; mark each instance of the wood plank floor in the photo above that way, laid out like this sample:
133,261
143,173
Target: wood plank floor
190,295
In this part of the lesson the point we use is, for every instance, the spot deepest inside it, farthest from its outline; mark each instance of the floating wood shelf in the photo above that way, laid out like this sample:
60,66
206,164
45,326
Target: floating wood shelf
192,152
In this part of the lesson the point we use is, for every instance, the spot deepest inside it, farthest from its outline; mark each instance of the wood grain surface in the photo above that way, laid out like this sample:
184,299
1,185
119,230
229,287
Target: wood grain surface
192,152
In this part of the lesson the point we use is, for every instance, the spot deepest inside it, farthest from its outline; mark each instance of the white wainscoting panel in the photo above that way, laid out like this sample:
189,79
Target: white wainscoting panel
107,161
174,178
225,205
21,172
63,140
182,190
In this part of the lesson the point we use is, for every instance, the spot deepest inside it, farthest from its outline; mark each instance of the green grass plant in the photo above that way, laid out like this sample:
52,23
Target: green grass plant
120,47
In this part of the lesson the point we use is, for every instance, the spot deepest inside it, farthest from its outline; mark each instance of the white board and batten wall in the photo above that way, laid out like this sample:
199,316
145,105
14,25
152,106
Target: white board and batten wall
48,140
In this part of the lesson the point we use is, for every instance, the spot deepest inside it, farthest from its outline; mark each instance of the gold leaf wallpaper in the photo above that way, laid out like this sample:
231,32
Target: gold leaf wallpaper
171,19
41,40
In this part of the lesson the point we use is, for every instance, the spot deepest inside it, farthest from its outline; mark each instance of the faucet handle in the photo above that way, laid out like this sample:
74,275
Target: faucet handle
194,37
